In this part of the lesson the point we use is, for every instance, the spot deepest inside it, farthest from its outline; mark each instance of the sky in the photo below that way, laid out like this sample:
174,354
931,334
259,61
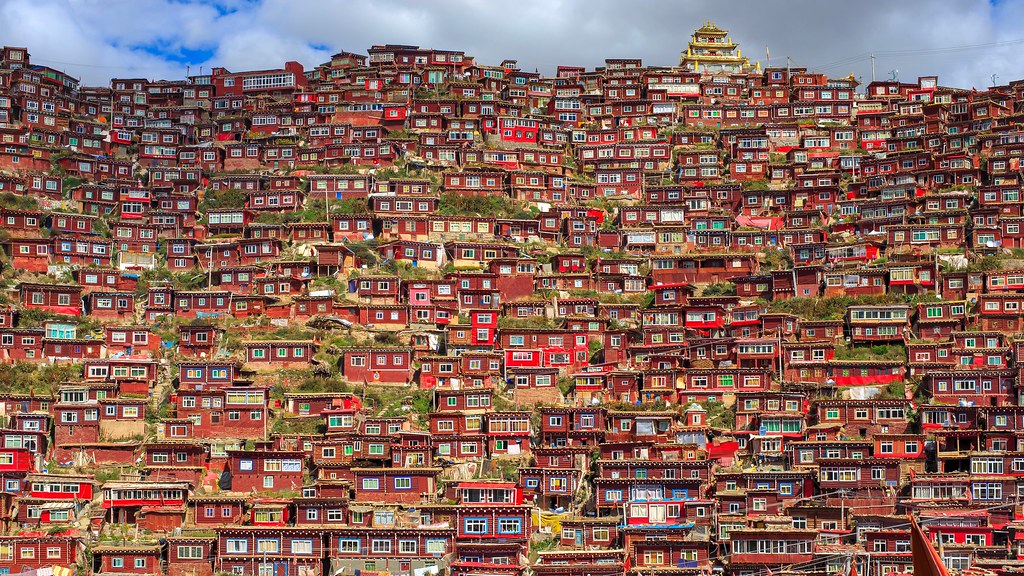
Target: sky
964,42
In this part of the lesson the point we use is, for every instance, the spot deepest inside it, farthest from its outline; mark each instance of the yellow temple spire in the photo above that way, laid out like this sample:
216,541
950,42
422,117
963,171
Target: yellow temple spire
712,51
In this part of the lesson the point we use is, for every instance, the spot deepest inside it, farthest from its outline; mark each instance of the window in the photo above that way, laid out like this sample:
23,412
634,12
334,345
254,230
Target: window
407,547
510,525
237,546
348,546
267,545
987,491
371,484
302,546
475,526
380,546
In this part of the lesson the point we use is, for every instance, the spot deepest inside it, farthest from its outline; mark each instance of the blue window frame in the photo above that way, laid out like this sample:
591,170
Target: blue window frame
510,525
476,525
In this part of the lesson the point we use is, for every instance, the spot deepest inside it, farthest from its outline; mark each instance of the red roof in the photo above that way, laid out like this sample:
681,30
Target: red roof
484,485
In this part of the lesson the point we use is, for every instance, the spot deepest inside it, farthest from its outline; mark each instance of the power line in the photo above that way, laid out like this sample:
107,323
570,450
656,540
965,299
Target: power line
910,52
941,49
812,563
36,59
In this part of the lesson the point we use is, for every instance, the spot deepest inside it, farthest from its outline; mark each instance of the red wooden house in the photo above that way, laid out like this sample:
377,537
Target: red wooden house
110,305
200,304
388,548
351,227
219,508
105,279
508,433
394,485
125,501
198,341
866,372
984,387
1000,312
190,555
244,549
29,254
865,418
29,551
228,220
276,354
264,471
937,321
81,251
230,412
883,323
21,223
56,298
458,435
207,375
67,223
748,547
127,559
385,365
180,254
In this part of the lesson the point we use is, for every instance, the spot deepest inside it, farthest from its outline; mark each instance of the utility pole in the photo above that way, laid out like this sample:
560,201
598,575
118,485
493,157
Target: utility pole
872,67
842,510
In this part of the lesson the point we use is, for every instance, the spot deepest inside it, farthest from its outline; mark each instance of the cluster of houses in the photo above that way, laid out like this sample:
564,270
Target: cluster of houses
741,320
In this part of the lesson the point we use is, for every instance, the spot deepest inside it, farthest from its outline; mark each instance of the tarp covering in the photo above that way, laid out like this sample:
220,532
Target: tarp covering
763,223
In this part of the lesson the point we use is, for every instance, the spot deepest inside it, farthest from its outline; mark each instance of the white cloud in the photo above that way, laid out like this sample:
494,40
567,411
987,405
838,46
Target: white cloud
246,34
60,35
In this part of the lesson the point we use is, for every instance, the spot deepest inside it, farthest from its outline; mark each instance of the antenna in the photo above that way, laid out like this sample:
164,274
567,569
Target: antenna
994,76
894,74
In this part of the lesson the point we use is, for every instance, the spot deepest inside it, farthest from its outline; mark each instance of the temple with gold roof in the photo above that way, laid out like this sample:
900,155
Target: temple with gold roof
712,51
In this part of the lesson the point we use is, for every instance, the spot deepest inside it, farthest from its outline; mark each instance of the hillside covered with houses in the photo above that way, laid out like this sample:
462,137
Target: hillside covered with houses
409,313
